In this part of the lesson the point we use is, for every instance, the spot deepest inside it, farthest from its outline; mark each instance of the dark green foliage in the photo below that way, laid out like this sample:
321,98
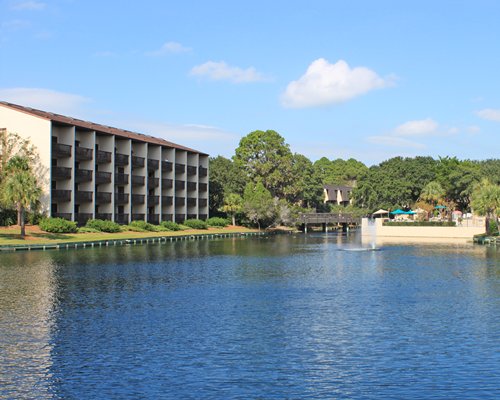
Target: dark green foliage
420,223
493,228
85,229
57,225
217,221
195,224
171,226
103,225
8,217
141,226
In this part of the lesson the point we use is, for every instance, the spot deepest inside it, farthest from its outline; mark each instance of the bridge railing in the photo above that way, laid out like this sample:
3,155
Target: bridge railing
328,218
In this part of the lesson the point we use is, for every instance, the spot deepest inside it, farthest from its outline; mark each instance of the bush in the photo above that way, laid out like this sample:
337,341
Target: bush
171,226
8,217
217,221
420,223
493,228
103,225
145,226
195,224
57,225
85,229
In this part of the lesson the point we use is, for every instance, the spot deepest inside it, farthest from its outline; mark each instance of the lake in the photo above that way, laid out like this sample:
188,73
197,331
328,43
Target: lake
287,316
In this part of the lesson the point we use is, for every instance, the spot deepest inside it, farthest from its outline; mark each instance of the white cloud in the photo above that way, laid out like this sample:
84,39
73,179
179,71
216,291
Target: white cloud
45,99
29,5
473,129
220,71
169,48
325,83
417,128
394,141
489,114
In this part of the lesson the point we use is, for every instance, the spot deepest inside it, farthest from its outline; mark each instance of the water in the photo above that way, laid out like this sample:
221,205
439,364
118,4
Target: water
265,318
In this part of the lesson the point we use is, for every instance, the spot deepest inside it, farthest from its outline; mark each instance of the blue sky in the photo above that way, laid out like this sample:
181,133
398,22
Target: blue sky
363,79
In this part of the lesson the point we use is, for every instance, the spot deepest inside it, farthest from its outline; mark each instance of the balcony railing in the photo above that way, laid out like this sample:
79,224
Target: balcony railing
167,200
121,218
121,159
83,196
191,185
61,195
62,215
105,216
137,180
121,179
83,175
180,185
166,166
137,161
180,168
192,216
191,202
121,198
83,154
60,173
153,164
138,199
103,157
203,172
138,217
167,217
191,170
82,218
167,183
179,218
61,150
102,197
180,201
153,200
202,202
203,216
154,219
153,182
102,177
203,187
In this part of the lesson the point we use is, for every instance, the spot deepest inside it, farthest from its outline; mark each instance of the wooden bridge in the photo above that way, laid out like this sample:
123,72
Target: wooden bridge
325,219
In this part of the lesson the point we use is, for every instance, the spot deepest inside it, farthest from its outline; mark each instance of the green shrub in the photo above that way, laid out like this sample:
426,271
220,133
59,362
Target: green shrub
8,217
171,226
57,225
420,223
103,225
85,229
217,221
145,226
195,224
493,228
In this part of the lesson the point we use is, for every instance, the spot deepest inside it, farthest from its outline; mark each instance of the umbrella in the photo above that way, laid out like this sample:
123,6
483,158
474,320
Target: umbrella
440,207
380,212
398,212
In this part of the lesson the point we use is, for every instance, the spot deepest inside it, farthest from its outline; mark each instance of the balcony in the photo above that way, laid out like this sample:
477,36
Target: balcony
102,197
83,196
121,219
180,201
61,195
121,198
138,162
138,180
166,166
138,199
191,186
61,173
103,157
153,183
191,170
83,154
191,202
167,217
203,217
104,216
179,218
61,150
153,201
167,183
83,175
180,185
121,179
62,215
102,177
192,216
154,219
153,164
82,218
202,202
167,200
203,172
180,168
138,217
203,187
121,159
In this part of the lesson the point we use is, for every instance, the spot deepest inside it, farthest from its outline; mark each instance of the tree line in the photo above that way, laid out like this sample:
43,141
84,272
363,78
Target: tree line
264,183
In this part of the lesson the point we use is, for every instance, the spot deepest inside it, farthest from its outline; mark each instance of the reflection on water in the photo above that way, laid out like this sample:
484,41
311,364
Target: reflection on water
281,317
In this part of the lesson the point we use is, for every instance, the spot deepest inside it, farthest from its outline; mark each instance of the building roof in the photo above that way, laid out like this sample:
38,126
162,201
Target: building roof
338,187
64,120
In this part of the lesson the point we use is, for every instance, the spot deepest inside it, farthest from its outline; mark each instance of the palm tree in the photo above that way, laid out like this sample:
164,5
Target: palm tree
486,201
233,204
20,188
432,193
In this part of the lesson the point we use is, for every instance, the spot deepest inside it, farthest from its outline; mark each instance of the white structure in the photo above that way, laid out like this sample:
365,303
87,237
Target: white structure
102,172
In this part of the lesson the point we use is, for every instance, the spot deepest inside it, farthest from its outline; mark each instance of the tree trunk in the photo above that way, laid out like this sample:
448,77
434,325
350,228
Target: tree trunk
234,219
21,218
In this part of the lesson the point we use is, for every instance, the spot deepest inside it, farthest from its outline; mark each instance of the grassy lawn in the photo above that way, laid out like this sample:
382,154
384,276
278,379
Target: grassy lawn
10,235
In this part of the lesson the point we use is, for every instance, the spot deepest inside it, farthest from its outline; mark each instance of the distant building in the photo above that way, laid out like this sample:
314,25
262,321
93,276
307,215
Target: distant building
337,194
97,171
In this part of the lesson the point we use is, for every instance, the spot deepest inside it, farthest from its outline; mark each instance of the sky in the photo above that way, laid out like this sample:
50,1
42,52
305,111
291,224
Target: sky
366,79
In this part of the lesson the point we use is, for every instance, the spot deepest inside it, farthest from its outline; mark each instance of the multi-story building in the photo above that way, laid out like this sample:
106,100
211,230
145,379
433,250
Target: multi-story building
337,194
97,171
